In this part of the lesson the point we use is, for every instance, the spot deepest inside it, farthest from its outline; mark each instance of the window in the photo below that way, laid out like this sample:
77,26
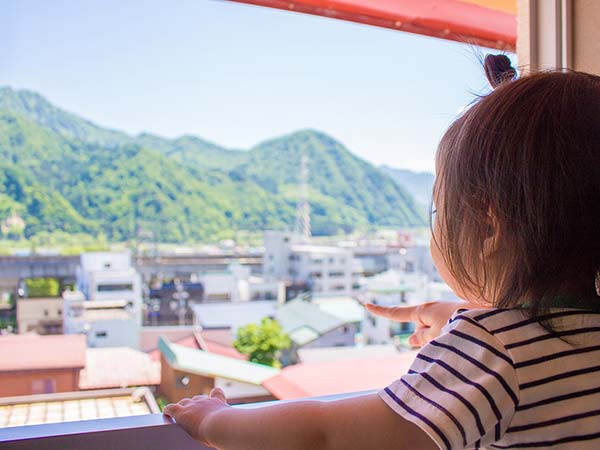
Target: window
114,287
45,386
183,381
101,334
336,274
316,274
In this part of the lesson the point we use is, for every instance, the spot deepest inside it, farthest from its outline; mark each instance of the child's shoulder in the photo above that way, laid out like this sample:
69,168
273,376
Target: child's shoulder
489,319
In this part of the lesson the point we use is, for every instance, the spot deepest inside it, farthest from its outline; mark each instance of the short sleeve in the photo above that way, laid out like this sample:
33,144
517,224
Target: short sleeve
462,388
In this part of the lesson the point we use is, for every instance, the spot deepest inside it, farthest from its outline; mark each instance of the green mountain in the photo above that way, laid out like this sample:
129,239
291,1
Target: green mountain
61,172
418,184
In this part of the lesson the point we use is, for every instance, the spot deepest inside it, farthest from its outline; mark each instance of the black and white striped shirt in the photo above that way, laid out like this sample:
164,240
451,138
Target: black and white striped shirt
496,379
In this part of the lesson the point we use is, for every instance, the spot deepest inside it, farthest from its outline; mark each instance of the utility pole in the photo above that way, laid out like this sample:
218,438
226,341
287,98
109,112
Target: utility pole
302,225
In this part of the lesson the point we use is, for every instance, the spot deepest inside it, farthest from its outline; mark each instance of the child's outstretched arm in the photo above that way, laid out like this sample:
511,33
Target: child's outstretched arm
359,423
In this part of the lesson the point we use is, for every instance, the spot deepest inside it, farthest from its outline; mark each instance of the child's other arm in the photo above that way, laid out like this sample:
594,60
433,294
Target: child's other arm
359,423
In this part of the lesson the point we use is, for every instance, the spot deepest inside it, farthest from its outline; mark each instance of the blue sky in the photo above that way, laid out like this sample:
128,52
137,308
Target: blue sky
238,74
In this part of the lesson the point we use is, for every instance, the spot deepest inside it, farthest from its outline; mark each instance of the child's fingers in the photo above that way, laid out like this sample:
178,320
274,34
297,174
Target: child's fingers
171,409
396,313
422,336
218,393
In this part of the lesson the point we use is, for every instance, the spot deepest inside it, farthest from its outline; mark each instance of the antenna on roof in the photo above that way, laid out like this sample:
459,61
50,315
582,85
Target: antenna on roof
302,226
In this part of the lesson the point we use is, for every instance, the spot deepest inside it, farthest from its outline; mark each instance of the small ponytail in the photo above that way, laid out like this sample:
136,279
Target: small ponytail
498,69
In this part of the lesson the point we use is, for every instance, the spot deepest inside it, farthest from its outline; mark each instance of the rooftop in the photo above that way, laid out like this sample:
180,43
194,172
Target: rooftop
212,365
113,367
73,406
314,379
42,352
331,354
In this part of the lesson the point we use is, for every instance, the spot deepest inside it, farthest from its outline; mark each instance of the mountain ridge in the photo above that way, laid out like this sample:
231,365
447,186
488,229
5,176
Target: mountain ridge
187,188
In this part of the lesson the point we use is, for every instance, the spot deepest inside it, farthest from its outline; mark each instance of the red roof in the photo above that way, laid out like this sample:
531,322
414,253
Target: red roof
188,341
213,341
33,352
223,350
311,380
491,23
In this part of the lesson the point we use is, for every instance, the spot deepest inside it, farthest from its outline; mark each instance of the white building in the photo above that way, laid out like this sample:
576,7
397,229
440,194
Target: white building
236,284
232,314
328,270
107,305
110,276
106,323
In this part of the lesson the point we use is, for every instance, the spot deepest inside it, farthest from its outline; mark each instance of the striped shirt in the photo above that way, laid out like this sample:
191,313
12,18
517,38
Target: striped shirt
496,379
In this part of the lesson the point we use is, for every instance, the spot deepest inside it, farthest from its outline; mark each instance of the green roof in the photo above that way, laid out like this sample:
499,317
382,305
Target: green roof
303,335
344,308
299,313
208,364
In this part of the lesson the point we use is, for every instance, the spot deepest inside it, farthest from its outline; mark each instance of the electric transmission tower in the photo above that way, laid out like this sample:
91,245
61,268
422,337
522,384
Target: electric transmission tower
302,226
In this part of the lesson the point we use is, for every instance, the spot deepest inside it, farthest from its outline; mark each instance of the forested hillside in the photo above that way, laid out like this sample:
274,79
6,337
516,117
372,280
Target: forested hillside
61,172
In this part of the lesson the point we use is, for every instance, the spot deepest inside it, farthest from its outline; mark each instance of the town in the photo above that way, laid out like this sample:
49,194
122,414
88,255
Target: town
126,333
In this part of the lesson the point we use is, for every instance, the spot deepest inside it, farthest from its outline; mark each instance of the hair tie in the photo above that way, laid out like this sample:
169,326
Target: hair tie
498,69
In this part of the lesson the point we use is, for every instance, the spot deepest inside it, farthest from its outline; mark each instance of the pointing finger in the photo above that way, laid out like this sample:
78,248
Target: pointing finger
395,313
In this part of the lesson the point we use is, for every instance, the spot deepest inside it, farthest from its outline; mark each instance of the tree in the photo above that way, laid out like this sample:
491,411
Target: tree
42,287
262,342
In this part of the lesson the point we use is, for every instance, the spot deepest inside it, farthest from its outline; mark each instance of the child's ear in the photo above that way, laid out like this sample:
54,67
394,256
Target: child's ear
491,242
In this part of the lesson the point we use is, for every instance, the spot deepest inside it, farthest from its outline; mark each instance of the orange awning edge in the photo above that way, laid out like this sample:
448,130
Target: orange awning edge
462,21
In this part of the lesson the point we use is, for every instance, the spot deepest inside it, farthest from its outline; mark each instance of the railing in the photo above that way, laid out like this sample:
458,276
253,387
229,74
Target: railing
147,432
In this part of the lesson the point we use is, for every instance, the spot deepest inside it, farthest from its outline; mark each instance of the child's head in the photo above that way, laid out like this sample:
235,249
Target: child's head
517,192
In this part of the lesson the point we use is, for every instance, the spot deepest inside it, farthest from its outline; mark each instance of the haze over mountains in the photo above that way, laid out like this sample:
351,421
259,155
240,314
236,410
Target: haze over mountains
59,171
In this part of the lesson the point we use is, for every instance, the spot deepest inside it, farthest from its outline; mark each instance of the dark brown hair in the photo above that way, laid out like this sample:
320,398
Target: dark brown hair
520,170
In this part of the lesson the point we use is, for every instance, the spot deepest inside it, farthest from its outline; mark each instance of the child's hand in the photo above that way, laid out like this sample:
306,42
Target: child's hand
192,414
429,318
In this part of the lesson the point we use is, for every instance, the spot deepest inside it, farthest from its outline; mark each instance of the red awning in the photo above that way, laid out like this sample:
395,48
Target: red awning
490,23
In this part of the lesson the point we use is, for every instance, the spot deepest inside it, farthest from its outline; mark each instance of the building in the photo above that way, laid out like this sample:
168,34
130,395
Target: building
238,284
328,378
118,367
232,315
170,303
186,372
398,288
106,323
32,364
110,276
74,406
325,269
40,315
311,324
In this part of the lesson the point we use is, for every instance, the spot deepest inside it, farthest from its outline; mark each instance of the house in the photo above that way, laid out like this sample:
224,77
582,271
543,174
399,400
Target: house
73,406
186,372
40,315
32,364
232,315
319,323
118,367
106,323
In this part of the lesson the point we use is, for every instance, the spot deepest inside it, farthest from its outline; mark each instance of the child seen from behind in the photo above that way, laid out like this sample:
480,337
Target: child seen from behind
516,234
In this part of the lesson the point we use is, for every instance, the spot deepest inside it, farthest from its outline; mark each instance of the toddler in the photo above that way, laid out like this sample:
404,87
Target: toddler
516,234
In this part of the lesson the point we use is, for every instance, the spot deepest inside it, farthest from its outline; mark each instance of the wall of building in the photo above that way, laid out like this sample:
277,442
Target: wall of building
343,336
173,389
586,45
32,311
38,382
